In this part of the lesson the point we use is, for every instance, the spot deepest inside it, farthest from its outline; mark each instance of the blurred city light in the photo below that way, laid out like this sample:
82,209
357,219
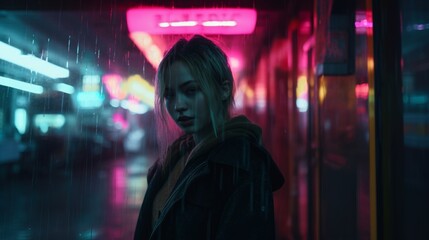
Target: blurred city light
15,56
21,120
91,83
113,84
302,94
361,90
20,85
46,121
139,88
65,88
90,99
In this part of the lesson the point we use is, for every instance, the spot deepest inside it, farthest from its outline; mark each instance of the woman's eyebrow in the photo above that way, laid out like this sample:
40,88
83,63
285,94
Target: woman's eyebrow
187,83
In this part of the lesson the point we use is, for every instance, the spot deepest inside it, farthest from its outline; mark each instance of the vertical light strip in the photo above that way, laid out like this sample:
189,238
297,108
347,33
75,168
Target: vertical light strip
20,85
371,119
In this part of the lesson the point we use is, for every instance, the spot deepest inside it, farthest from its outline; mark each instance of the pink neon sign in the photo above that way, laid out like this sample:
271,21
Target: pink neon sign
191,21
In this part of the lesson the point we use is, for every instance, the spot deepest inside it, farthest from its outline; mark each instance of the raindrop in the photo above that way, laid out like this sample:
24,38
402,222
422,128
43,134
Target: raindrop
128,58
77,52
47,49
68,51
62,102
68,44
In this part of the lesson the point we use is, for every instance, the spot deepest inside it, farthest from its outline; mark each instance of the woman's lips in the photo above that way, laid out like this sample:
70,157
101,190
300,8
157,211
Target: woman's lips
185,121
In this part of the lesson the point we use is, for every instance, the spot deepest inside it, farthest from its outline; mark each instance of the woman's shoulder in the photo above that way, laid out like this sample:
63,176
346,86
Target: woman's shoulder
239,152
153,169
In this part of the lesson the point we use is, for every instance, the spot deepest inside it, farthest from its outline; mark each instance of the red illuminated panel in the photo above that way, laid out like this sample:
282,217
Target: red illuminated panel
191,21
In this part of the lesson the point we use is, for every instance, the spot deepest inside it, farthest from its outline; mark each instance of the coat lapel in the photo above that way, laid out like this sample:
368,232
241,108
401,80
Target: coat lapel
144,222
188,176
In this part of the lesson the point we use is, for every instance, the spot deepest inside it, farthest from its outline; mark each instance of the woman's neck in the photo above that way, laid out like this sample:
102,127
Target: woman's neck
209,132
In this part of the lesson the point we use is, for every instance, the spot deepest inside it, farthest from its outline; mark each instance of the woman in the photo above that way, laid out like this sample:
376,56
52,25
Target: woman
216,180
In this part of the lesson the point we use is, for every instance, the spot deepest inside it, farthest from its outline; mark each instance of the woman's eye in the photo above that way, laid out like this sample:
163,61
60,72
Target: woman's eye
191,91
168,95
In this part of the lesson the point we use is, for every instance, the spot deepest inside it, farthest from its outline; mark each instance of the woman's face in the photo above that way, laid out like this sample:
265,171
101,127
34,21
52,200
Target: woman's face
185,101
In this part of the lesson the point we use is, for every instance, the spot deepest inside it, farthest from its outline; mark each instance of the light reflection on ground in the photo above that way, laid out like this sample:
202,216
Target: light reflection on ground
94,201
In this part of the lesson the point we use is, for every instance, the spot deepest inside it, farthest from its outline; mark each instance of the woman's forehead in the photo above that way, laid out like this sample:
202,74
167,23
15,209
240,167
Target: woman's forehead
177,73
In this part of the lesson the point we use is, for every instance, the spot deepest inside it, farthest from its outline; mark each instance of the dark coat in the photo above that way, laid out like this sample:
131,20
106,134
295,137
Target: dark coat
225,193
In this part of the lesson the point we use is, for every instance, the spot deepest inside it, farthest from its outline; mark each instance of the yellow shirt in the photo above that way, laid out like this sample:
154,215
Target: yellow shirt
165,191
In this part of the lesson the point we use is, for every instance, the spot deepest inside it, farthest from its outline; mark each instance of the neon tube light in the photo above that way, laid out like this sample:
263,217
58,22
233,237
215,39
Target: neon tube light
20,85
15,56
227,21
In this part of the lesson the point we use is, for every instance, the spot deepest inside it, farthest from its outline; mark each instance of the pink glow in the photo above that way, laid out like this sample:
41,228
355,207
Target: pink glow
363,24
119,119
119,184
227,21
234,62
149,48
361,90
113,85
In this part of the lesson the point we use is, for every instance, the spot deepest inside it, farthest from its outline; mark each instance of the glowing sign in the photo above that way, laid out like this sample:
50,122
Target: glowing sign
191,21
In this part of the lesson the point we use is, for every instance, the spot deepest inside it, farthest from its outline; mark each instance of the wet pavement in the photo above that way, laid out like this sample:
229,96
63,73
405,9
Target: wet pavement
92,201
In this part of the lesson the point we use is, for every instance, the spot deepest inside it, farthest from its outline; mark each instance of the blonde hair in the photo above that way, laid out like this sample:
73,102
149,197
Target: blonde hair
209,65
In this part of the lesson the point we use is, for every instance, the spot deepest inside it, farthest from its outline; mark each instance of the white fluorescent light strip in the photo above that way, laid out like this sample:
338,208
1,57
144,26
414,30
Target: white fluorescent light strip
194,23
179,24
20,85
15,56
184,24
220,24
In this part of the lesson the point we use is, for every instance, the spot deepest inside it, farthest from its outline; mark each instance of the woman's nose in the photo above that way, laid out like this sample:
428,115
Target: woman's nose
180,105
